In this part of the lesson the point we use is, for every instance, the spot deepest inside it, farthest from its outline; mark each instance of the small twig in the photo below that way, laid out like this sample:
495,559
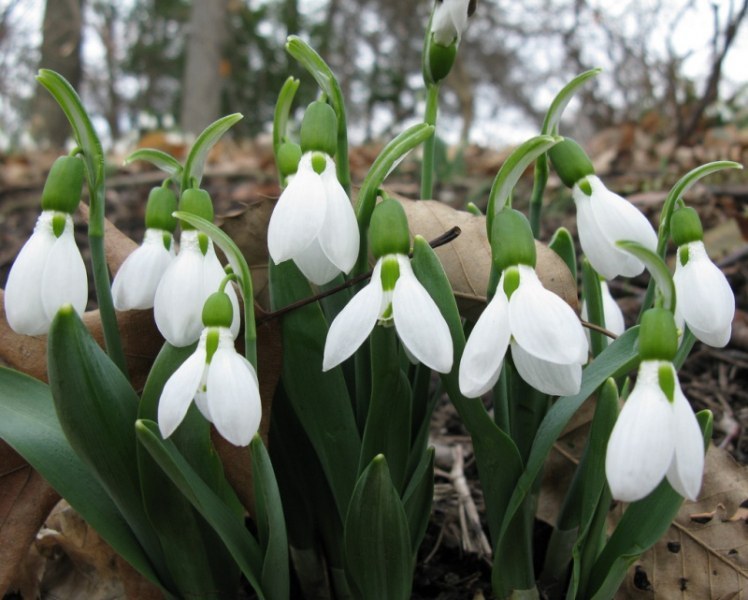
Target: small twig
474,538
599,329
444,238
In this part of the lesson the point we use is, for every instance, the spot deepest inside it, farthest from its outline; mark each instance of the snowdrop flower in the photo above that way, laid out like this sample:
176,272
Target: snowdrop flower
656,434
704,299
135,283
603,218
450,20
547,341
313,222
49,271
190,278
393,297
611,312
222,383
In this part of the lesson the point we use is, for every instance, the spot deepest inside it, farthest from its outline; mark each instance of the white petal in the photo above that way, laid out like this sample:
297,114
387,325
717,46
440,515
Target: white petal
613,314
233,397
23,299
547,377
449,21
481,361
179,299
134,285
687,467
419,324
704,297
339,235
354,323
543,324
179,391
642,443
315,265
298,214
64,280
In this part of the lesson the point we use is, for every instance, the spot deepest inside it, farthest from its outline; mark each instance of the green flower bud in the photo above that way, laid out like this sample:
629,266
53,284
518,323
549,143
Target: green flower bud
319,129
289,155
511,240
685,226
162,202
217,310
388,230
658,337
571,162
62,191
198,203
441,58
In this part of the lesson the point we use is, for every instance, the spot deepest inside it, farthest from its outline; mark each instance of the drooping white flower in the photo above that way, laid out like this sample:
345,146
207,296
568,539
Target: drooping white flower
604,218
704,298
408,306
313,223
655,436
222,383
548,344
134,286
611,312
450,20
48,273
189,279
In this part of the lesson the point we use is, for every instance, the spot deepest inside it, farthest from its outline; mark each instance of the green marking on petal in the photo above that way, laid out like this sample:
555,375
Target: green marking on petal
204,242
683,255
511,281
666,378
585,186
167,239
390,273
211,344
319,163
58,224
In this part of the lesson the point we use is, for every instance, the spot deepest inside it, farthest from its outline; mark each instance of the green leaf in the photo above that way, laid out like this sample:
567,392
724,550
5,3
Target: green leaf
418,498
158,158
512,169
387,160
379,562
271,525
563,244
643,523
320,400
195,163
28,423
593,300
657,268
619,357
227,524
562,99
282,110
97,409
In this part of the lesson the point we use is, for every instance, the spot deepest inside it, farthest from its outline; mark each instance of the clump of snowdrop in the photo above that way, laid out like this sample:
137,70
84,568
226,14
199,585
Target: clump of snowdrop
190,278
603,218
49,271
704,299
313,223
393,297
656,434
135,284
547,340
221,381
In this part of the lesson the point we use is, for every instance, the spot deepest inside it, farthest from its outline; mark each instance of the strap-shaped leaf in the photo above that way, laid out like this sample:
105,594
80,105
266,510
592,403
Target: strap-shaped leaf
593,300
563,244
379,562
282,110
28,422
195,163
418,497
657,268
562,99
158,158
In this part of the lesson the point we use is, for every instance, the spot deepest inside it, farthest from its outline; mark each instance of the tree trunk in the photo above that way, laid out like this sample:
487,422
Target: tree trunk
202,79
61,52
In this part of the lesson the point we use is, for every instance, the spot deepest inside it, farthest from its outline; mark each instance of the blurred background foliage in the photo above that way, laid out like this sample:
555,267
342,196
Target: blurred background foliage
177,65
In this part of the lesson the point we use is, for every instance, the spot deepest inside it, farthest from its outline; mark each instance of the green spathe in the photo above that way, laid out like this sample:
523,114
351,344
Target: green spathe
512,242
197,202
388,230
62,191
658,339
319,129
685,226
162,202
571,162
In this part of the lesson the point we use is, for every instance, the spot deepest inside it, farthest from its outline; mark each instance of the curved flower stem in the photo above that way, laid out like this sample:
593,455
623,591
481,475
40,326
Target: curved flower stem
538,188
429,146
